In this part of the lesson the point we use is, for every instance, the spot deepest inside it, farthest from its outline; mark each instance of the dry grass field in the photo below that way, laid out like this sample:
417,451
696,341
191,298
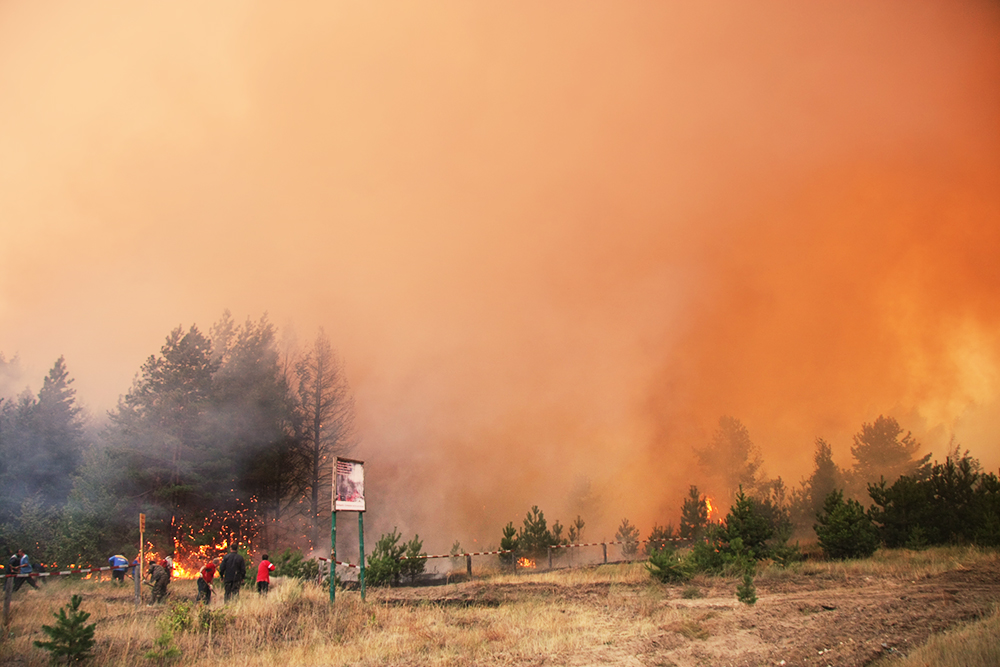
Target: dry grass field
938,607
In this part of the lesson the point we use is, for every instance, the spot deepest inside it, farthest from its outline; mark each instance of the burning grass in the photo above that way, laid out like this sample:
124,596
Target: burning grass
610,614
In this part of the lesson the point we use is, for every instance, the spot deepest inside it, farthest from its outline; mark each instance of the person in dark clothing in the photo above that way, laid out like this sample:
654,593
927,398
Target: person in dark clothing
233,571
159,579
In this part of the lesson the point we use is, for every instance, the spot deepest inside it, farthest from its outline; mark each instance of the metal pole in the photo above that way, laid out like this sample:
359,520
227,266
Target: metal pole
550,558
604,546
137,577
361,542
333,555
468,565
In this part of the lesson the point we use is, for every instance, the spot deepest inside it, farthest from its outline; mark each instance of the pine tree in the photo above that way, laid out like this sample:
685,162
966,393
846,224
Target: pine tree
629,536
508,543
71,637
694,515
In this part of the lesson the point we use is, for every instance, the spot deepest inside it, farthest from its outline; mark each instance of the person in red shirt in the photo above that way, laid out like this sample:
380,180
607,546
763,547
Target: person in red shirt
264,571
205,583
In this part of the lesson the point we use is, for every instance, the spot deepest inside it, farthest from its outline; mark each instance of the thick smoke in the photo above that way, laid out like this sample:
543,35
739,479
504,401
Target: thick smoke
553,244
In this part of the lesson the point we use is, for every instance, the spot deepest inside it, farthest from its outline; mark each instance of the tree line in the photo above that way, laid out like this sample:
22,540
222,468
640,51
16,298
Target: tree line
222,436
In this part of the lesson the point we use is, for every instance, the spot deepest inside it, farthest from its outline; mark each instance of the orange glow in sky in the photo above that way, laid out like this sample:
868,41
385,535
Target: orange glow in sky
552,242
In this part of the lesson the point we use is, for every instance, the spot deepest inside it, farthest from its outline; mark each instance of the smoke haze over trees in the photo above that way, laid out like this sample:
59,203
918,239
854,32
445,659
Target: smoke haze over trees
211,434
548,245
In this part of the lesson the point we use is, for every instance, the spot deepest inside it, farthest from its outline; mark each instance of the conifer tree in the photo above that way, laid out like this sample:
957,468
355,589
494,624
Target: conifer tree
71,637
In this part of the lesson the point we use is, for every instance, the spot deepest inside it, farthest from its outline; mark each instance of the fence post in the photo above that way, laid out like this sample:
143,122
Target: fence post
8,586
550,557
468,565
137,576
604,546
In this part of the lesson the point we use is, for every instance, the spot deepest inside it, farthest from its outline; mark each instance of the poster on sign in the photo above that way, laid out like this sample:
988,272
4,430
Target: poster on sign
348,485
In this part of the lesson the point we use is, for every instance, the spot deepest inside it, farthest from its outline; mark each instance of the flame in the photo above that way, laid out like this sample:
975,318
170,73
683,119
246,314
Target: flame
708,506
196,545
526,562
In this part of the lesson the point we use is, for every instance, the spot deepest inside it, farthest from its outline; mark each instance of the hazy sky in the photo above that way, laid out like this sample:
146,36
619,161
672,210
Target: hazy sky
553,241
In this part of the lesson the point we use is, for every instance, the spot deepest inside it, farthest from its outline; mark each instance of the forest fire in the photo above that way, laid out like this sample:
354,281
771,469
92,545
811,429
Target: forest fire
710,508
526,563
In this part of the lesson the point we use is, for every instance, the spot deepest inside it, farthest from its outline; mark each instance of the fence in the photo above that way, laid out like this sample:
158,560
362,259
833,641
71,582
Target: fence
8,588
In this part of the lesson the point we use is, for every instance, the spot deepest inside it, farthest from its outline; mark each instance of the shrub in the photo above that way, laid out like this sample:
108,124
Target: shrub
746,592
384,564
178,618
659,537
291,563
666,567
413,565
844,530
71,637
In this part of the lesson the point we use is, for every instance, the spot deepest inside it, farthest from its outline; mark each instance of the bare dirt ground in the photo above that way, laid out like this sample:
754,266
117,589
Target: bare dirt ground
799,619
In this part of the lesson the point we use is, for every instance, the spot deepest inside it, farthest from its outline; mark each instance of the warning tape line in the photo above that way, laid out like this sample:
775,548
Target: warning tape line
79,570
356,567
472,553
554,546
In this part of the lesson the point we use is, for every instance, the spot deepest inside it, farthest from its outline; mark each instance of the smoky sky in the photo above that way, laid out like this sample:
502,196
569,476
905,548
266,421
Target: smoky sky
552,242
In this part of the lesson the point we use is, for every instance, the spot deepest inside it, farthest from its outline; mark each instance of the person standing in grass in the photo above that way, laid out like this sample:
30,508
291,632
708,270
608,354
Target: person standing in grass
205,583
233,570
264,571
25,567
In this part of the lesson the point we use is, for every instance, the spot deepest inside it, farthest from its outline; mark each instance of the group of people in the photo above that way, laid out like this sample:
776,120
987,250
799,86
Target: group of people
232,570
19,563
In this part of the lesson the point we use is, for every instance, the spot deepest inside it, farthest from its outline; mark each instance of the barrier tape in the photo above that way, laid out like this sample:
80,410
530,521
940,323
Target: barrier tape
356,567
79,570
554,546
472,553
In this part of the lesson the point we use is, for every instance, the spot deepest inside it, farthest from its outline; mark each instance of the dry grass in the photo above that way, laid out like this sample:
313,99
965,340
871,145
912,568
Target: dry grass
975,644
606,613
296,626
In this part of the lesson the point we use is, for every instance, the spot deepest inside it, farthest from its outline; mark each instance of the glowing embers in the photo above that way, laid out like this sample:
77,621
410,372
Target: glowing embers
526,563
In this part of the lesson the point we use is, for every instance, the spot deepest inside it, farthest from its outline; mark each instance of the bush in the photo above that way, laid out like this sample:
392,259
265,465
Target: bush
413,565
659,538
384,565
844,530
666,567
291,563
71,637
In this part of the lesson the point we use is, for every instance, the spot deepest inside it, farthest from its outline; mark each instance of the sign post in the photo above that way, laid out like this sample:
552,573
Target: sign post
348,496
137,572
333,554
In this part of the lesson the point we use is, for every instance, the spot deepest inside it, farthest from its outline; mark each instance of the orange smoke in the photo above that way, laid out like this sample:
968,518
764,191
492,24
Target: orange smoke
553,245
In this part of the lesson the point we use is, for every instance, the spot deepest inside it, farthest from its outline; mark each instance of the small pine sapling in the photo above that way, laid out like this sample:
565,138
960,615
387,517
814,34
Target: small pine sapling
71,637
414,564
508,543
628,535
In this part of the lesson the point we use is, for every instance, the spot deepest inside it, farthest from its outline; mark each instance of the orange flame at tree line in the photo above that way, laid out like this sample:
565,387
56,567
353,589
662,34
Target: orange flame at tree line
526,562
